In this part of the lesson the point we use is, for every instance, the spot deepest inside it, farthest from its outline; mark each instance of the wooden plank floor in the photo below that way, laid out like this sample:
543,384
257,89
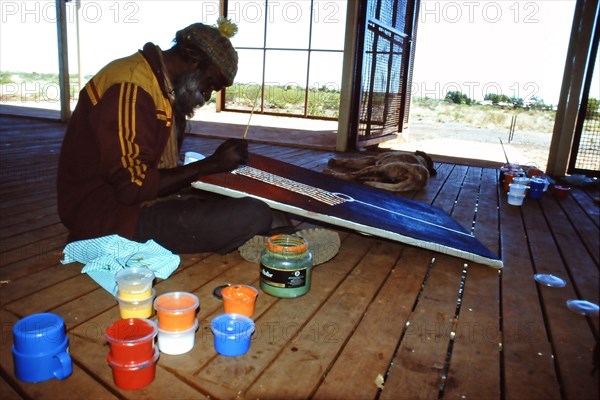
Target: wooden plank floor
430,325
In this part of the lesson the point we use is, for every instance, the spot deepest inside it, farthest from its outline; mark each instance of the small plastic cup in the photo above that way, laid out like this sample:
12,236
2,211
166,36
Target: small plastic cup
517,189
521,180
508,179
176,343
192,156
560,192
232,334
131,341
535,193
136,308
176,311
134,283
41,348
134,376
239,299
515,199
538,184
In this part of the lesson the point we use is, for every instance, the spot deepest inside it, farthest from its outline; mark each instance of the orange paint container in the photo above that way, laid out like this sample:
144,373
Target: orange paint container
239,299
176,311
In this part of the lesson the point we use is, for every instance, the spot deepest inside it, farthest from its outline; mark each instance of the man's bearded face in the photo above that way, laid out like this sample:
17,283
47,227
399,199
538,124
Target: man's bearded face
189,93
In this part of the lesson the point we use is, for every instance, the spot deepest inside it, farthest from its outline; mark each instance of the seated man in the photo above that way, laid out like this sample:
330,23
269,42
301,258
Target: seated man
118,171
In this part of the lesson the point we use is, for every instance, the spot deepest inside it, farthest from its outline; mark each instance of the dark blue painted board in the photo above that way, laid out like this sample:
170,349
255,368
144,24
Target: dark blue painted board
373,211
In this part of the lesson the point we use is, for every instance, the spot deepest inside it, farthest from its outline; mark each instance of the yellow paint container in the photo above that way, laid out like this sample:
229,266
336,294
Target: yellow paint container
136,308
134,296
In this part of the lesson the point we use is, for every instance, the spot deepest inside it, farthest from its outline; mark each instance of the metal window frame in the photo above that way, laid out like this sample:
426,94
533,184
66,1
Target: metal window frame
260,109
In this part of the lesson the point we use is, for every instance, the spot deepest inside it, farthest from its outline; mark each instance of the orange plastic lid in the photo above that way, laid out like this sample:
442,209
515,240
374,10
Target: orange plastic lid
287,244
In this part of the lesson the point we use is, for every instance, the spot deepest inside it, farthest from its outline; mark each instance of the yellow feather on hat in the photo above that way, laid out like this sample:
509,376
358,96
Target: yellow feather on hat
226,27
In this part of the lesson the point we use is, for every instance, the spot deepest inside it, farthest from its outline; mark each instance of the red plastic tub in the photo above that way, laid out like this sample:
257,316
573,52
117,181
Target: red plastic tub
131,340
134,376
560,192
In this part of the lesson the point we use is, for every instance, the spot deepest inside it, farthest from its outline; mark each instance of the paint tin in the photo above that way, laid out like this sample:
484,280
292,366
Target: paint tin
286,267
232,334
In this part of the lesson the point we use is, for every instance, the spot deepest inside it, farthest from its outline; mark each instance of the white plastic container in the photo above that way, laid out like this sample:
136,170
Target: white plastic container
515,200
175,343
134,283
517,189
521,180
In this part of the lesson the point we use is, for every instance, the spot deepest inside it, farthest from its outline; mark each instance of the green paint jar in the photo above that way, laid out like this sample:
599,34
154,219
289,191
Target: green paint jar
286,267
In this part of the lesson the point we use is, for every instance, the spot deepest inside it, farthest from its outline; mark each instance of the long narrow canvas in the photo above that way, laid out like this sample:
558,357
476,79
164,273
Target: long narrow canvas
313,195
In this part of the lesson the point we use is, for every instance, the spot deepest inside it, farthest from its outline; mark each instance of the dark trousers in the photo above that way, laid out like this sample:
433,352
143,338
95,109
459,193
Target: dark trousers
195,221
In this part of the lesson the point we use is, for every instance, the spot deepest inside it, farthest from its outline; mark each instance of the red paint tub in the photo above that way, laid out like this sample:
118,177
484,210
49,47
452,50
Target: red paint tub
560,192
508,179
131,341
134,376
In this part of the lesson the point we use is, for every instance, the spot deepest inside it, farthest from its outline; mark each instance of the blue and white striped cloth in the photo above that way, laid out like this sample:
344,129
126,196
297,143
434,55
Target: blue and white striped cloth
105,256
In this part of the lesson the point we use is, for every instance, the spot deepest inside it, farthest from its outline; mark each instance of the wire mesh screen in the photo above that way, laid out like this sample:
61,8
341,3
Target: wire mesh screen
588,151
382,82
389,12
585,153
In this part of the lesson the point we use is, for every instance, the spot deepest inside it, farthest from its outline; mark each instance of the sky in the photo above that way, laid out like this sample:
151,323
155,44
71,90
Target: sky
517,48
513,47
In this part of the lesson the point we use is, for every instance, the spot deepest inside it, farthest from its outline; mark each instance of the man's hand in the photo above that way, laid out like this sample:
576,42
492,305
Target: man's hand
230,154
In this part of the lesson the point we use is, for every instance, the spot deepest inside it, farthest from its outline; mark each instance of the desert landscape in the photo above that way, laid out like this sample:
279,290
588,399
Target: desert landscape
461,140
481,132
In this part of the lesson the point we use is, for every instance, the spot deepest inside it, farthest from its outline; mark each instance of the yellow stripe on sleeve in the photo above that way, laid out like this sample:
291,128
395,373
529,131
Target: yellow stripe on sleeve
130,150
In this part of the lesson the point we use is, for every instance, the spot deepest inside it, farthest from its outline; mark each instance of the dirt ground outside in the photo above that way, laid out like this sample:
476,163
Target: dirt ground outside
437,138
459,140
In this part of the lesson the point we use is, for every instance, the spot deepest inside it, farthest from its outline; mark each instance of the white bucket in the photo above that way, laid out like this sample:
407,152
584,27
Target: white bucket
517,189
515,200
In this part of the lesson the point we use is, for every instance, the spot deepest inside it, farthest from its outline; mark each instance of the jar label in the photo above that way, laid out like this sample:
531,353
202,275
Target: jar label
283,279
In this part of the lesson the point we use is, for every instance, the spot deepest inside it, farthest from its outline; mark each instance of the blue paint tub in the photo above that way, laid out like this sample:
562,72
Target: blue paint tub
232,334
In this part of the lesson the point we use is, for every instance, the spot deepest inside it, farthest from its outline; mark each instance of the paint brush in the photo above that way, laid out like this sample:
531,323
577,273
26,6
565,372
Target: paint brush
505,156
251,113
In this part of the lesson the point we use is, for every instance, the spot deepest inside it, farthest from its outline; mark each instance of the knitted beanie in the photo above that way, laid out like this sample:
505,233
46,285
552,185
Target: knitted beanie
214,42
